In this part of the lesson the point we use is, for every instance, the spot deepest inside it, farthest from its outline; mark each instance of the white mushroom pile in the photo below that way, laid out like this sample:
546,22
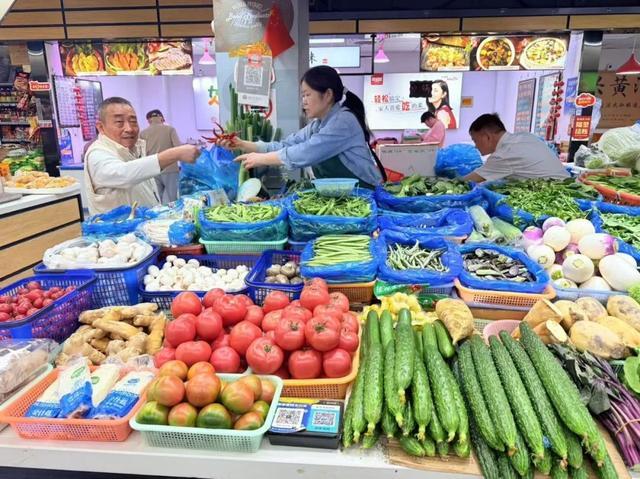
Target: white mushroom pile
177,274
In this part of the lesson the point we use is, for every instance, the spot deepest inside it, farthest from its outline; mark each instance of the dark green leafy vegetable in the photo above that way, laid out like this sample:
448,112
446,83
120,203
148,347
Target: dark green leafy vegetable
416,185
624,184
622,226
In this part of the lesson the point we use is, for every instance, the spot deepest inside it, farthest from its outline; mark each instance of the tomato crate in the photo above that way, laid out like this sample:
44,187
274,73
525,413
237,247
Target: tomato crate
102,430
361,293
256,277
174,437
323,388
215,261
114,287
58,320
478,297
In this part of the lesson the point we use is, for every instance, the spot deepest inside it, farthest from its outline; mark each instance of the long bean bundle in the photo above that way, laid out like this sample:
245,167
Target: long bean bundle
239,213
312,203
335,249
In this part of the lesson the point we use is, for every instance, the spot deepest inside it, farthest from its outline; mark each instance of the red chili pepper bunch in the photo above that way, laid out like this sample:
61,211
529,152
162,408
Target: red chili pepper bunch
220,135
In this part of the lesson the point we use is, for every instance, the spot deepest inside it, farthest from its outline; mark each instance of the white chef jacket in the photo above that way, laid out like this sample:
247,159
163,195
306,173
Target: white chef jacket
519,156
115,175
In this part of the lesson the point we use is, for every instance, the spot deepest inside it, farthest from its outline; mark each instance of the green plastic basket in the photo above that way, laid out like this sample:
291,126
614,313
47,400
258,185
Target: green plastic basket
242,247
228,440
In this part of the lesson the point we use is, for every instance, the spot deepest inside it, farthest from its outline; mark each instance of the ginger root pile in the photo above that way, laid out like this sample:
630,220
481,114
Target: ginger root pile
121,331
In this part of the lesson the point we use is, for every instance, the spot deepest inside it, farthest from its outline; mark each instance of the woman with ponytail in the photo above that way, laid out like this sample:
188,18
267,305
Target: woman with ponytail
335,143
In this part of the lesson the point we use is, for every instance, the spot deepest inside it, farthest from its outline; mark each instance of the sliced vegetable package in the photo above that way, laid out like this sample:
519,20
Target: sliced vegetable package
305,227
123,397
624,224
426,203
538,274
434,252
348,271
444,222
227,228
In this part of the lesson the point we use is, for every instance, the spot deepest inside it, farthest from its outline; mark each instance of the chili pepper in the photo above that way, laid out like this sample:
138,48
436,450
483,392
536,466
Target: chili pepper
220,135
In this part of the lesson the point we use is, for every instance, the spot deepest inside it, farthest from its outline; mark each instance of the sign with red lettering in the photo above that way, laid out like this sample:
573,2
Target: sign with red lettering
585,100
39,86
377,79
581,128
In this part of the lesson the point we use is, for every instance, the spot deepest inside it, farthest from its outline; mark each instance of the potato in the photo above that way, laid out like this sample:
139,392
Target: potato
627,334
625,308
571,313
457,317
597,339
542,311
592,307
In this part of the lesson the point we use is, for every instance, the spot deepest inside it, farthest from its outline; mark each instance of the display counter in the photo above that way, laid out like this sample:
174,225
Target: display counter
32,224
134,457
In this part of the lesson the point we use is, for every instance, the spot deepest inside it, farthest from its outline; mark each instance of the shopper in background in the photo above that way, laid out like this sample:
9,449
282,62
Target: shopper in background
335,144
514,156
160,137
118,170
438,104
436,131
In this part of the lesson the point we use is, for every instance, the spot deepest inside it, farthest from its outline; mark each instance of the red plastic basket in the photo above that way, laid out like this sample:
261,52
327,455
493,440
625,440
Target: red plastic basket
393,175
609,194
115,430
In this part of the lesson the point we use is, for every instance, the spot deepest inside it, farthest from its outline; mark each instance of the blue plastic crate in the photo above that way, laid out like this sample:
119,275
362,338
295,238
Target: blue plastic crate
58,320
297,245
256,277
215,261
114,287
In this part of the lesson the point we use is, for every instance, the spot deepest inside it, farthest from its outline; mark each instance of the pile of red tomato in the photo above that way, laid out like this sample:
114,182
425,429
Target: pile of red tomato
315,336
28,300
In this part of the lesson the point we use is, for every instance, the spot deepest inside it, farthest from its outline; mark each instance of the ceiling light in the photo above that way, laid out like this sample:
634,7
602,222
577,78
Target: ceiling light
317,41
206,58
631,66
381,57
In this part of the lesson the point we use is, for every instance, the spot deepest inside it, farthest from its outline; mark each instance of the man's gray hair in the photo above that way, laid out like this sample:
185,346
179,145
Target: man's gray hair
114,100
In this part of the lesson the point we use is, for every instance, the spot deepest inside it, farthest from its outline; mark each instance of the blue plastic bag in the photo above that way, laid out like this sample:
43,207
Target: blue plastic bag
541,278
354,272
425,204
457,160
181,233
445,222
602,207
271,230
116,222
214,169
451,259
308,227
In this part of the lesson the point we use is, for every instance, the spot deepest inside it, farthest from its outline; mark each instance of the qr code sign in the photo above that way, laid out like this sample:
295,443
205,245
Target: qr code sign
324,419
288,418
252,76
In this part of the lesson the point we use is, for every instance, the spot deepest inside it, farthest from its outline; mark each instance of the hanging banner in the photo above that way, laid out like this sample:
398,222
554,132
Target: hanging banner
581,128
395,101
495,52
620,95
524,105
546,86
207,102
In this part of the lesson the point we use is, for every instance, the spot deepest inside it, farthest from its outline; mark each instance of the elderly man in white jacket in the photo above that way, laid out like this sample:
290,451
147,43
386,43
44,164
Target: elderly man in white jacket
117,170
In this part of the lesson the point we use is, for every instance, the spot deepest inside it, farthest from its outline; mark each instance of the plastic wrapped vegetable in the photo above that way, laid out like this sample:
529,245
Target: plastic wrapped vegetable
622,145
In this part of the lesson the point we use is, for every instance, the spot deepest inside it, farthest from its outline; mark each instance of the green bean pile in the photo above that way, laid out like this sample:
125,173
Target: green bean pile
311,203
336,249
402,257
239,213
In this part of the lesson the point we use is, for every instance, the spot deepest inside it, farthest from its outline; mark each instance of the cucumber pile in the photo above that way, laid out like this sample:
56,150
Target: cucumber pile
525,413
406,390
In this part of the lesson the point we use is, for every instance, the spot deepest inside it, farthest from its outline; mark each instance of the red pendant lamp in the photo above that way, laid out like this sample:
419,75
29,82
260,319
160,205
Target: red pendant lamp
631,66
